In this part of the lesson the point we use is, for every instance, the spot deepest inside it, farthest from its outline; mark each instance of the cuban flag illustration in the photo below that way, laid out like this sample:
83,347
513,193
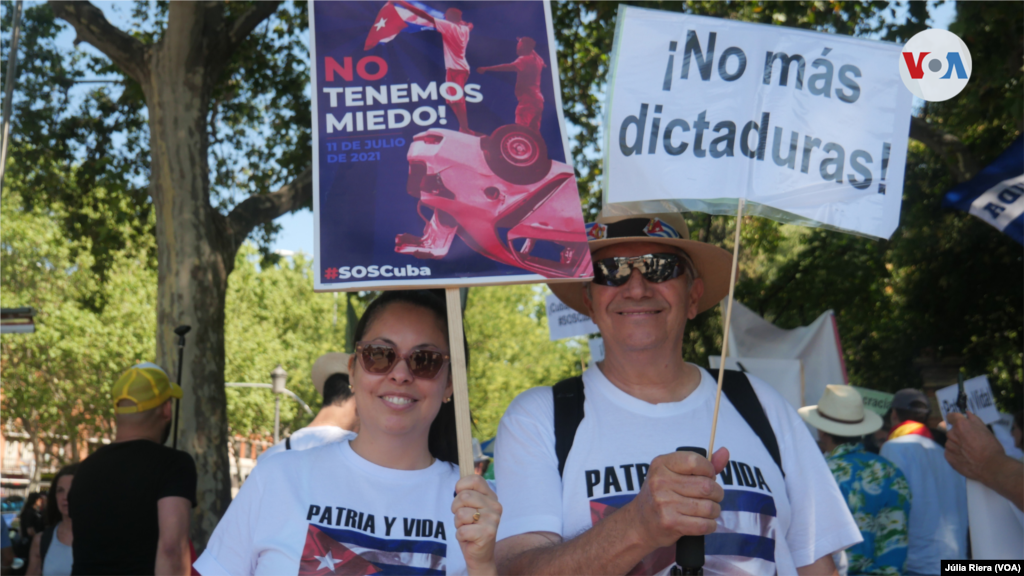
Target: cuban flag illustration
659,229
351,553
393,19
743,544
597,231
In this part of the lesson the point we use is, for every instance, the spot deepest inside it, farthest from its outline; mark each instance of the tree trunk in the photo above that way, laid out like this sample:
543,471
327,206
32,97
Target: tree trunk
193,262
196,244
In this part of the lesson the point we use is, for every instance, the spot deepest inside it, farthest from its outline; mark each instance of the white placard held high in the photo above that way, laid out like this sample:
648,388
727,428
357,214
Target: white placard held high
564,322
979,399
809,128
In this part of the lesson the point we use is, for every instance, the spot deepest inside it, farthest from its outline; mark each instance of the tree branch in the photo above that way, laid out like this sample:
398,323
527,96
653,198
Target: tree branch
92,26
246,23
256,210
961,163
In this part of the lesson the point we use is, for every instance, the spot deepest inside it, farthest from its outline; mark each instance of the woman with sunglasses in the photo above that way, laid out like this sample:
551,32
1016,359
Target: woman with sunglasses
383,501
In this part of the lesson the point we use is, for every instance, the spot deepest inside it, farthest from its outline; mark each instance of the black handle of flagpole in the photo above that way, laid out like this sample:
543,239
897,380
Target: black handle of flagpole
180,331
690,549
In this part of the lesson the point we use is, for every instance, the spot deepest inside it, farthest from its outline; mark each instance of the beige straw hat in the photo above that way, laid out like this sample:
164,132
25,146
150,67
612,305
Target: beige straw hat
841,413
713,263
328,365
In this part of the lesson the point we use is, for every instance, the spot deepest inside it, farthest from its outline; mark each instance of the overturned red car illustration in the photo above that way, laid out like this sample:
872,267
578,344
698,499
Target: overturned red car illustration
502,195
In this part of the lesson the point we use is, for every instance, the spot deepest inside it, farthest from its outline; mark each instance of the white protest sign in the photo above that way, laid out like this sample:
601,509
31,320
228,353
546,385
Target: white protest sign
809,128
783,375
596,349
564,322
979,399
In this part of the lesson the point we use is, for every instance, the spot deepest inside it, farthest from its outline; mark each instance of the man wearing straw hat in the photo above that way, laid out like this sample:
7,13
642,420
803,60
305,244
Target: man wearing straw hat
619,497
132,499
875,490
337,417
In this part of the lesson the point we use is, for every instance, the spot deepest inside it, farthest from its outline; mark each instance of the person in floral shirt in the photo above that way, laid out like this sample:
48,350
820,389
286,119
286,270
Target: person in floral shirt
875,490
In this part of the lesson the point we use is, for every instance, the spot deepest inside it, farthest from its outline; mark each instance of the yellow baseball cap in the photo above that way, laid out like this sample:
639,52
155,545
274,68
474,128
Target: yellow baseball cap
145,384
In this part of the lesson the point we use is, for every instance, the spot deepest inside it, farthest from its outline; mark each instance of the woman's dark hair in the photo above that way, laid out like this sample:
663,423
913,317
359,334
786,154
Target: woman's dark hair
442,439
53,515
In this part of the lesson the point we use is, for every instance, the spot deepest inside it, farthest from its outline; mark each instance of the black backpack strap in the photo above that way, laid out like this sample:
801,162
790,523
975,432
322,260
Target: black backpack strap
288,443
44,543
741,394
568,395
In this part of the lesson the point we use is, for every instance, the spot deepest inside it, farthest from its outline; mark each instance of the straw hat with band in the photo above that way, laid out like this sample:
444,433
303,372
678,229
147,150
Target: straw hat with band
841,413
147,385
713,264
328,365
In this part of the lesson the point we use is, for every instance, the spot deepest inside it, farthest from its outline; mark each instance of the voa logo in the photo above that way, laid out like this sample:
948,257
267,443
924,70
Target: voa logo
387,271
935,65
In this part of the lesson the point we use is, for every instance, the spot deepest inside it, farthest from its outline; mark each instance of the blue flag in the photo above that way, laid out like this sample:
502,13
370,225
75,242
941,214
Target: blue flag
996,194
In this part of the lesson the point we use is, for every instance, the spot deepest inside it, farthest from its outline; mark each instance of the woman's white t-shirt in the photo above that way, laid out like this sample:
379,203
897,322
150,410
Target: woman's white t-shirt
327,510
769,524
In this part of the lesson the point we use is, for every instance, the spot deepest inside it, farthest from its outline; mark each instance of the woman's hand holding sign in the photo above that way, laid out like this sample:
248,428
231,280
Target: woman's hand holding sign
477,513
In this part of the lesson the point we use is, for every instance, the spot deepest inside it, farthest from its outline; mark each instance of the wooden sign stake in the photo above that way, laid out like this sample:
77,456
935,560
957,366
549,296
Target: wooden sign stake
728,320
463,425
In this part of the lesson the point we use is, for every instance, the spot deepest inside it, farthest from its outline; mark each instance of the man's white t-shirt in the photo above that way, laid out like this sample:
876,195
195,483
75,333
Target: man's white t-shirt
937,529
768,524
306,438
327,510
455,38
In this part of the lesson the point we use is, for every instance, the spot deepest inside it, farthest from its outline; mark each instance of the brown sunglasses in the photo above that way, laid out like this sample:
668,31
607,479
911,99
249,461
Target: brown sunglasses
380,358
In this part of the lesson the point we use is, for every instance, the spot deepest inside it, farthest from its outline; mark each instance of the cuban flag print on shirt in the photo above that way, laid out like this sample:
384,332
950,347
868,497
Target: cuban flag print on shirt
351,553
744,542
393,19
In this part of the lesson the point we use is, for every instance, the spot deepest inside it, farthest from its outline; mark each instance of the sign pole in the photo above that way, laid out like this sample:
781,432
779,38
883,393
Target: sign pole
728,320
459,382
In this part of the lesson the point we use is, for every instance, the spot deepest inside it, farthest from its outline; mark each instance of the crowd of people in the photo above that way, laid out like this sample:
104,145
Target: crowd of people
908,495
592,475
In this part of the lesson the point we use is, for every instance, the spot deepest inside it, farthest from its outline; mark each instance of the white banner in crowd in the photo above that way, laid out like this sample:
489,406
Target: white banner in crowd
816,345
979,399
783,375
596,349
564,322
810,128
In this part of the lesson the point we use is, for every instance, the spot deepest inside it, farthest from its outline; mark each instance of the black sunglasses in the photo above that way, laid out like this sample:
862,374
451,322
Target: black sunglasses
380,358
654,268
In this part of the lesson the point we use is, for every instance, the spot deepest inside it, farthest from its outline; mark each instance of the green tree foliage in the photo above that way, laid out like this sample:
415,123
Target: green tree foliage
97,127
56,381
274,317
510,350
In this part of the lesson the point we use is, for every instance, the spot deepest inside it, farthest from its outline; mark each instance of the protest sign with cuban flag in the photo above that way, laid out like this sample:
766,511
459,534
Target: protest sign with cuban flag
440,148
996,194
